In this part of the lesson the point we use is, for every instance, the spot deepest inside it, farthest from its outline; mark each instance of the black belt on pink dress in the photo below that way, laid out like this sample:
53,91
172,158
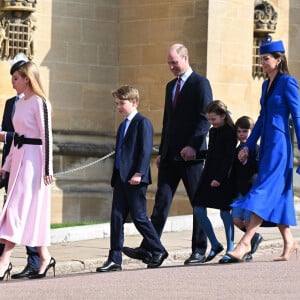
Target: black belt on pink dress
20,140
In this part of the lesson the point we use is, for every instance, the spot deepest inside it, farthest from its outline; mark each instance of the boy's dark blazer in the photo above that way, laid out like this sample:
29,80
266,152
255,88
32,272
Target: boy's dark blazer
136,150
187,125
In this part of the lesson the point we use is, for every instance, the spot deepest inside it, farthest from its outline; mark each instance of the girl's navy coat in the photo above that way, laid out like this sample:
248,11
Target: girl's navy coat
219,160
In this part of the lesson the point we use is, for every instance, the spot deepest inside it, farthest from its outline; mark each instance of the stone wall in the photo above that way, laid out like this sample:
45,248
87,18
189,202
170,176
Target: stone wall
147,29
76,48
294,38
230,48
83,61
85,49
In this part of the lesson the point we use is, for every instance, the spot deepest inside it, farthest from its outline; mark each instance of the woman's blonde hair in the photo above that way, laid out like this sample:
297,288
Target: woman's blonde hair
31,71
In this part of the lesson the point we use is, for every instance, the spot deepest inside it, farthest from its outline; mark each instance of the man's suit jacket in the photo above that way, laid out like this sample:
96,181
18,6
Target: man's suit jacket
136,150
186,125
7,126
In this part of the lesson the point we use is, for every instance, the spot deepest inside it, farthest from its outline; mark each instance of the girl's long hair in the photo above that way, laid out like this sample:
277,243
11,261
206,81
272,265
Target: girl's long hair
219,108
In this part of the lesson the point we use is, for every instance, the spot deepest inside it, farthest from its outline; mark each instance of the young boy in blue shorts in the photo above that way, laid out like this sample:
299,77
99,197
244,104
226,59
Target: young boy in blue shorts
243,177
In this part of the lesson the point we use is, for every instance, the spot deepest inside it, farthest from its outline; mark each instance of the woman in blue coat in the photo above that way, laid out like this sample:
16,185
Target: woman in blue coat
271,197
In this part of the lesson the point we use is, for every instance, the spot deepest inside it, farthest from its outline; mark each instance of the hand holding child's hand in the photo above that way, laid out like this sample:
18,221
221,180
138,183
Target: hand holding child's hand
243,154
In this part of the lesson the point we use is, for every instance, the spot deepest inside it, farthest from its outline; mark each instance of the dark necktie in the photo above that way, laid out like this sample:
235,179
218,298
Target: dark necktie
120,141
177,91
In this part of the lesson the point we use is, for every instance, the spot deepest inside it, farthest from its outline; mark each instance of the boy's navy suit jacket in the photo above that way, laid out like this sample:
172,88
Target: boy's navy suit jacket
136,150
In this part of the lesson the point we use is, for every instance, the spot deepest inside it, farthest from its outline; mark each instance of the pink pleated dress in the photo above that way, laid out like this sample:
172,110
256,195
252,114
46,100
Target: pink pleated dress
25,218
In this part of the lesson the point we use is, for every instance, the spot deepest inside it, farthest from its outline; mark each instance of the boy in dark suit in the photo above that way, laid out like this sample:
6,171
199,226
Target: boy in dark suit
130,179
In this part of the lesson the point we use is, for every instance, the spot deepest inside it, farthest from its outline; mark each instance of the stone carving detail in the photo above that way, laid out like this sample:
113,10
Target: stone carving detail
265,22
265,18
25,3
17,27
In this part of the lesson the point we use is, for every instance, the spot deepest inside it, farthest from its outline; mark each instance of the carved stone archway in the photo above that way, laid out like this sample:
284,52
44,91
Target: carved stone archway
265,22
17,27
265,18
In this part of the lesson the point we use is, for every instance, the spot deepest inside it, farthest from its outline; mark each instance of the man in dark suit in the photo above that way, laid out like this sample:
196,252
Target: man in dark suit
130,179
6,136
183,139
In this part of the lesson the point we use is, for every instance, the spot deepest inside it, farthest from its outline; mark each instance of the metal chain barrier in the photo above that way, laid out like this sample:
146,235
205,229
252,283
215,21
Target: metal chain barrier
85,166
90,164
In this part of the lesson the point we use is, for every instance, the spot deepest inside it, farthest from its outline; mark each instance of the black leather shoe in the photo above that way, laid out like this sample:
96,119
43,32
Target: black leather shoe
138,253
248,257
157,260
109,266
195,258
227,260
214,252
27,272
255,241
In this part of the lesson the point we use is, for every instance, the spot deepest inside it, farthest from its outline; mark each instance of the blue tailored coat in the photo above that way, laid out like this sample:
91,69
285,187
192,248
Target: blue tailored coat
271,196
136,150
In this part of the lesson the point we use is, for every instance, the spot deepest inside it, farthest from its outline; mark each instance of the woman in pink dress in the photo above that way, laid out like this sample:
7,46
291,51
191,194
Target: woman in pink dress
25,218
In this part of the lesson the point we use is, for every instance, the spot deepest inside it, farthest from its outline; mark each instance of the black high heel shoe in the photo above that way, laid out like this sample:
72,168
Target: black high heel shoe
6,272
51,264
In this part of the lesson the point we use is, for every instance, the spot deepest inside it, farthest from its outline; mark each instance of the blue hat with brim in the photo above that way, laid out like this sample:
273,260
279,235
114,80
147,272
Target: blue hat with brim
269,47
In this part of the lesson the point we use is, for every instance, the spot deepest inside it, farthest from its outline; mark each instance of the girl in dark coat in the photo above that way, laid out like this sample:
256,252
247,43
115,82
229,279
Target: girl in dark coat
215,187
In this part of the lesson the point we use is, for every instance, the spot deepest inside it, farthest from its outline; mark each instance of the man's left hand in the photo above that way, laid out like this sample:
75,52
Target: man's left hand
188,153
